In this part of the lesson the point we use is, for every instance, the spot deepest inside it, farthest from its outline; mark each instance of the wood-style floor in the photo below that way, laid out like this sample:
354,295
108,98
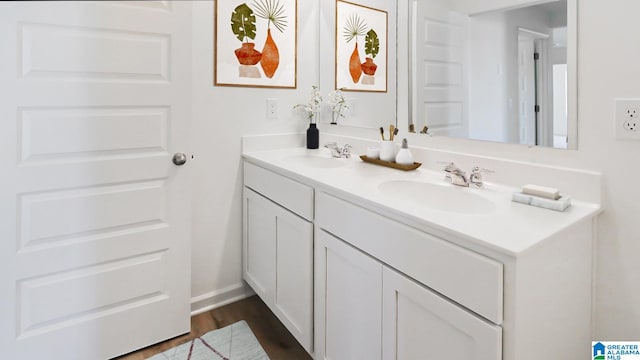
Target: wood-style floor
275,339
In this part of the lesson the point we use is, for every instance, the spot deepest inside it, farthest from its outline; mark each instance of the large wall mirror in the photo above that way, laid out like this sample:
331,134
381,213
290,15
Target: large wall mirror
495,70
368,109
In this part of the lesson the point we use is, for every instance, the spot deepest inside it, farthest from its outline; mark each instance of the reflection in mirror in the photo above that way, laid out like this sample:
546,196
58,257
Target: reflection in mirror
367,110
497,75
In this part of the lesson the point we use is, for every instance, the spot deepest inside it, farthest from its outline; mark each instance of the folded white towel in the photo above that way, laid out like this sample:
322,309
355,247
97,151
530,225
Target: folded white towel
558,205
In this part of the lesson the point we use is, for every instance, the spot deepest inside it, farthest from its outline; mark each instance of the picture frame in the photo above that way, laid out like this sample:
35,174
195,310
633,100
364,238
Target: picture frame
361,33
255,43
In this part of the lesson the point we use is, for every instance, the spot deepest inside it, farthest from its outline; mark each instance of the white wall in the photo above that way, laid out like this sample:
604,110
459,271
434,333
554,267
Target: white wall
493,70
559,100
608,53
605,28
489,100
221,116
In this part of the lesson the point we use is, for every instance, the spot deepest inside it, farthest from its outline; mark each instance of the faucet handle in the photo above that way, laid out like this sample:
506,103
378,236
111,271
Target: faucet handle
475,177
479,171
452,168
346,151
449,166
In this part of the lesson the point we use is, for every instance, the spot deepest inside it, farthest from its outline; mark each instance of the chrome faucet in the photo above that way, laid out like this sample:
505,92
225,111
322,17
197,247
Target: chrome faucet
339,152
458,177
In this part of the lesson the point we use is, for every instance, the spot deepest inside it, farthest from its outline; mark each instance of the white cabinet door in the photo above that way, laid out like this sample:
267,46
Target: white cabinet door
348,294
278,263
259,245
420,324
95,227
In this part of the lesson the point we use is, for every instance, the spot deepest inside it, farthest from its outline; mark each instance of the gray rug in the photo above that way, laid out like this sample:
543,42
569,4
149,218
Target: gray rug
233,342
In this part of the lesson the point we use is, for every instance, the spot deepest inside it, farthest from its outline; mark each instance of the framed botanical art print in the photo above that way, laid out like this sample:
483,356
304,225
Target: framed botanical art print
255,43
361,47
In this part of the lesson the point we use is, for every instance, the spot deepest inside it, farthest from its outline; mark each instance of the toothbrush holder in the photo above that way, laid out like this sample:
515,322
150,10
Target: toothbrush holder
387,150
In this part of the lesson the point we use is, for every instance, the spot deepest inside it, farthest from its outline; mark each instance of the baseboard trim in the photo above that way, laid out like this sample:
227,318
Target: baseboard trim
218,298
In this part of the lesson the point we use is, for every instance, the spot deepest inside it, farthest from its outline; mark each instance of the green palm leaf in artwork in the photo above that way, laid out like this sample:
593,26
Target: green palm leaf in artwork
243,22
372,44
354,27
273,12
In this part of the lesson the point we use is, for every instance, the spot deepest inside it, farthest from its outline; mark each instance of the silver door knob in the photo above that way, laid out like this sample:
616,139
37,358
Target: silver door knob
179,159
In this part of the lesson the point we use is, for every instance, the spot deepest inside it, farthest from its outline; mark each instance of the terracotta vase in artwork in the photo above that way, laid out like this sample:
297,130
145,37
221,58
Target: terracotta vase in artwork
369,67
247,54
270,56
355,68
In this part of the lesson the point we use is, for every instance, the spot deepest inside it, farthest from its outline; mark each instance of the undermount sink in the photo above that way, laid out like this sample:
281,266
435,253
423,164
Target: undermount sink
314,161
442,197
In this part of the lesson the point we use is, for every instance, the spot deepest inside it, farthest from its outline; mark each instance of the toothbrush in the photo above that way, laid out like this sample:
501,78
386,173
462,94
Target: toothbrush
391,129
382,132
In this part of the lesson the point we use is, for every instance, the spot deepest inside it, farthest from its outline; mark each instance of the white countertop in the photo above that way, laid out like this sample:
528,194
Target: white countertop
510,228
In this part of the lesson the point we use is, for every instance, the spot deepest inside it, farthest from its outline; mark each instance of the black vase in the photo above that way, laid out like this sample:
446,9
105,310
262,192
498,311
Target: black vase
313,137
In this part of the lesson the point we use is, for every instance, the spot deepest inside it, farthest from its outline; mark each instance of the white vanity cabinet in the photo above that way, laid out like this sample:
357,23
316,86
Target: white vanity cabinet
355,274
367,310
278,247
443,301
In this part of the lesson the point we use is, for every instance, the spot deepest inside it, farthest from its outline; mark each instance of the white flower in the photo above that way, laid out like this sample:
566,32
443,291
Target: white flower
338,104
313,106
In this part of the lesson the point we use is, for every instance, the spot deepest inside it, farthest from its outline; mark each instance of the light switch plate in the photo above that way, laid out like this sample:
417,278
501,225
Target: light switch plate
272,108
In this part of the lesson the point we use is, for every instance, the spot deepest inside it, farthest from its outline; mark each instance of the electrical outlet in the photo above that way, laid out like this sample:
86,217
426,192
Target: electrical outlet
630,125
627,119
272,108
631,112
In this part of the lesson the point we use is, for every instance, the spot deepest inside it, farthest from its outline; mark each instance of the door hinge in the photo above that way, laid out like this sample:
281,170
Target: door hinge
536,56
537,108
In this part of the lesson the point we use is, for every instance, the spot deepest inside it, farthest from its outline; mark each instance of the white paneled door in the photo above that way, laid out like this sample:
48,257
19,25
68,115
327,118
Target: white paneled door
94,216
440,68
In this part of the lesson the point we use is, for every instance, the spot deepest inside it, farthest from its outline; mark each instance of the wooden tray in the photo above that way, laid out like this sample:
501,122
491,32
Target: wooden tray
390,164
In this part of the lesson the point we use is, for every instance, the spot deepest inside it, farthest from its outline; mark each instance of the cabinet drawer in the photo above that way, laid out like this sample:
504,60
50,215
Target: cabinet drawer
470,279
290,194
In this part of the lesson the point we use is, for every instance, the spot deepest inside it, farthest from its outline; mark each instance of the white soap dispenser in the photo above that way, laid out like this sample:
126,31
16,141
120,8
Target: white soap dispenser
404,156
